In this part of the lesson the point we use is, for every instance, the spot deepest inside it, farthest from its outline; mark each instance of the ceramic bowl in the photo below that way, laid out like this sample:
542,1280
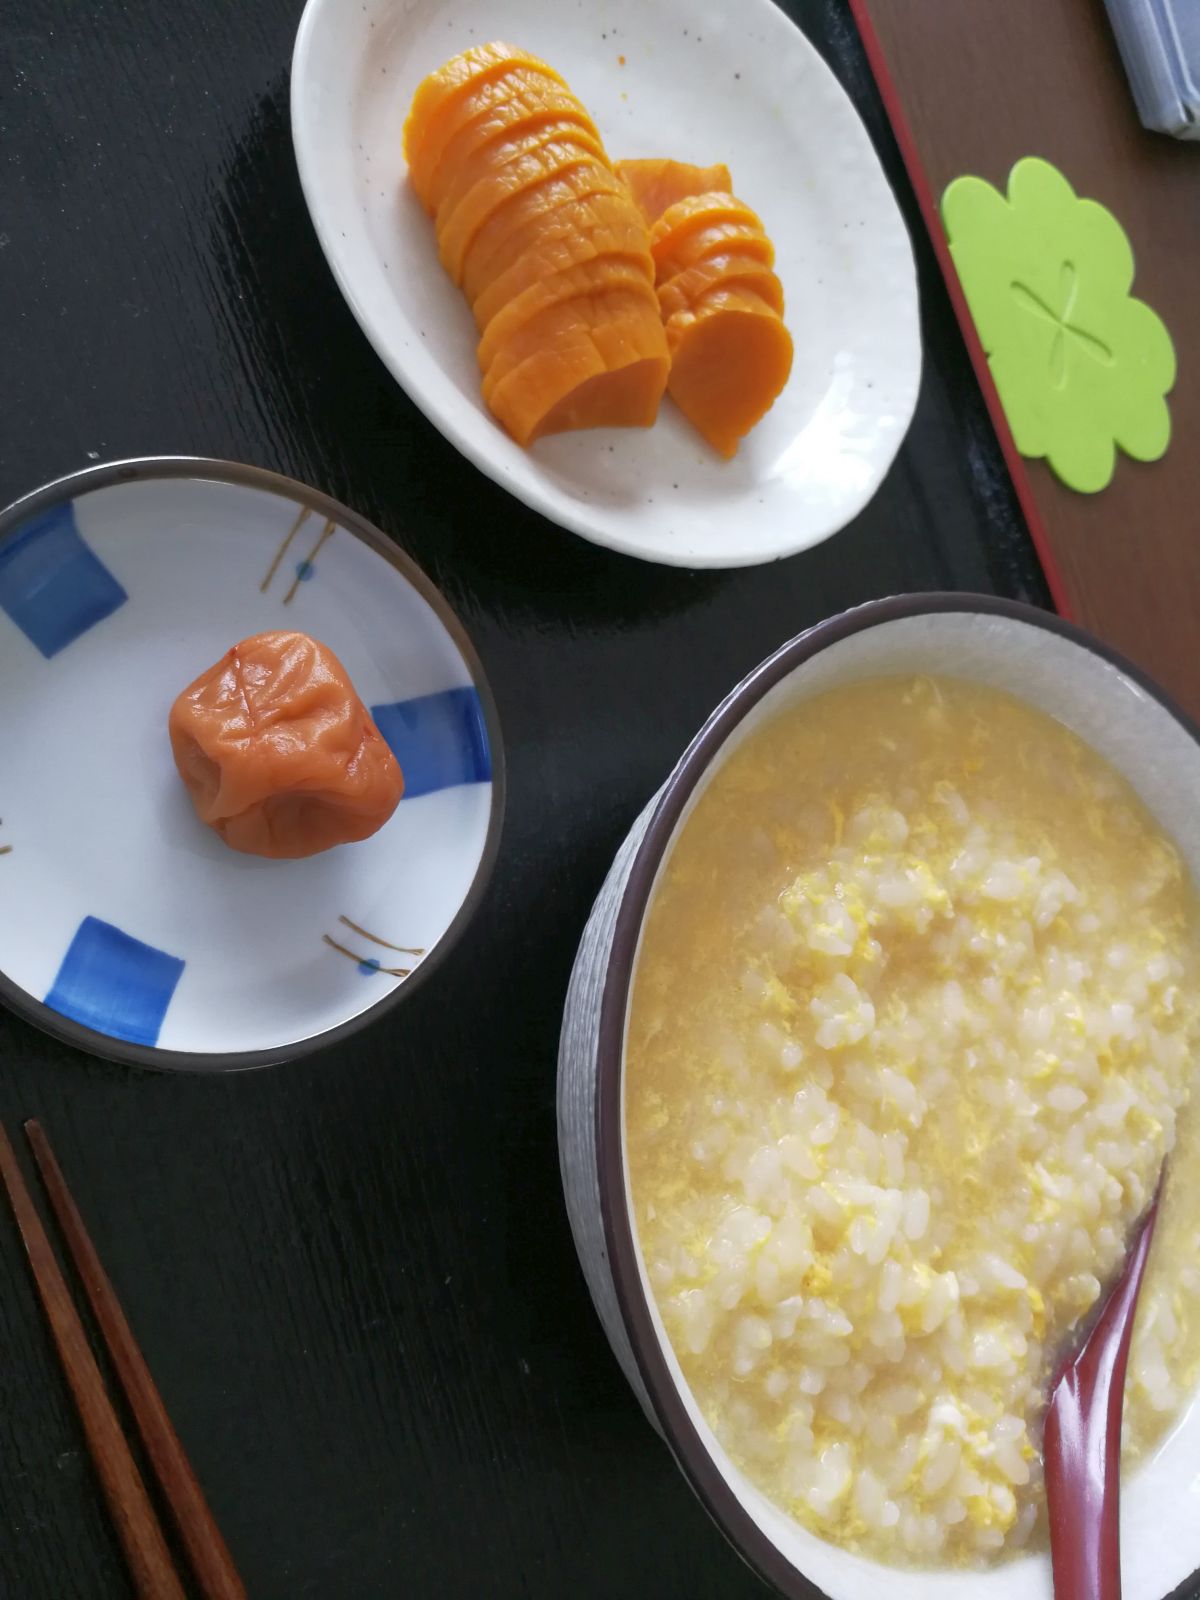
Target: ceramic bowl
701,80
131,930
1050,665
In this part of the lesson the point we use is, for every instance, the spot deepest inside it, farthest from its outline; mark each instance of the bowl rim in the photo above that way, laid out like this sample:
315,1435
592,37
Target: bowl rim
704,1477
215,470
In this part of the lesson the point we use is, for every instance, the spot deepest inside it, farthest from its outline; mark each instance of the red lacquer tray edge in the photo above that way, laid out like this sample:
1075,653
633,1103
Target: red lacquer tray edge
929,211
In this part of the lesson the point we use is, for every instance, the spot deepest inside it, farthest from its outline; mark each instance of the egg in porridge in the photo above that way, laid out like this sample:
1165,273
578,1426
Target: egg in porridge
912,1023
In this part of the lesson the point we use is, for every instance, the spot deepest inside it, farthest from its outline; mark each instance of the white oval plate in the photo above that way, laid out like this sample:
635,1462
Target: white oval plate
129,928
703,82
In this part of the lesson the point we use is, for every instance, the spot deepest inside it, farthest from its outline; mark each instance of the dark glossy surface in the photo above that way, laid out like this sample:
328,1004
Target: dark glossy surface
352,1277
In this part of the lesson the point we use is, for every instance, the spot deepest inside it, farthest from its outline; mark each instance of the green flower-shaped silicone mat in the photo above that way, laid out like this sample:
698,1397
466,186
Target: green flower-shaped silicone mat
1080,365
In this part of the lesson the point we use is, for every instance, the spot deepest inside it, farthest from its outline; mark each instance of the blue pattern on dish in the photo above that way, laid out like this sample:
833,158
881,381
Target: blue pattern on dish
53,585
114,983
440,740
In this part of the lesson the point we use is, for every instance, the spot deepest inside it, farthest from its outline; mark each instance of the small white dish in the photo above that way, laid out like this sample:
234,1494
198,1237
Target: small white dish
129,928
708,82
1067,674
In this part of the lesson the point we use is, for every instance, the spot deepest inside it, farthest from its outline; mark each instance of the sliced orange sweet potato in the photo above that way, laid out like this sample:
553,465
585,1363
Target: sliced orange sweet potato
599,275
607,368
625,396
437,94
746,238
628,308
687,217
520,220
590,394
657,184
730,358
524,113
740,296
572,234
721,302
541,221
729,271
495,158
495,104
506,183
548,244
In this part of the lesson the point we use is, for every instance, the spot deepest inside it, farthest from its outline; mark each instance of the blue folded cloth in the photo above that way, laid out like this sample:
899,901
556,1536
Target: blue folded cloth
1159,42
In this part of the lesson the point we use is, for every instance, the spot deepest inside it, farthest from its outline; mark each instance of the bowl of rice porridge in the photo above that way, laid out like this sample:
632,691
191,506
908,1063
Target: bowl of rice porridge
882,1026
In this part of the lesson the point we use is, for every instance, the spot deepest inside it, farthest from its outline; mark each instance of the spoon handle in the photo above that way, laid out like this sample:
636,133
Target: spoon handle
1082,1447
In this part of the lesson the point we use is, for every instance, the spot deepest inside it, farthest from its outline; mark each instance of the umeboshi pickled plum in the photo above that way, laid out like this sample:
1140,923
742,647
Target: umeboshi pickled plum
278,752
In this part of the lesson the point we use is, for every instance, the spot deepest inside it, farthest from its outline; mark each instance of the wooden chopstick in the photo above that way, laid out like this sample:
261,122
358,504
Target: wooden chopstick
132,1514
206,1549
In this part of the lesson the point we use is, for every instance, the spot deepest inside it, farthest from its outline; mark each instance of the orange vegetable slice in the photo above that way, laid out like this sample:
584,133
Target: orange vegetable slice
548,244
496,157
626,396
490,194
517,222
606,369
590,395
687,217
730,271
730,358
550,221
602,273
438,93
606,316
496,103
657,184
524,113
718,238
573,233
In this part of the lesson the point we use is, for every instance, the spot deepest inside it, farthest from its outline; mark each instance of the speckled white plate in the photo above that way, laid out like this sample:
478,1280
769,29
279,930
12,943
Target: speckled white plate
703,82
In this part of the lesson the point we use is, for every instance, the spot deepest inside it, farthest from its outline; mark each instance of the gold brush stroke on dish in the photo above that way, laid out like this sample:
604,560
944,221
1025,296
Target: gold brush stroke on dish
326,533
306,564
404,949
392,972
305,513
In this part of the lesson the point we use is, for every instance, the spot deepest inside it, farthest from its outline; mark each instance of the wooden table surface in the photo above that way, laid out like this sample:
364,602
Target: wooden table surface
983,84
353,1276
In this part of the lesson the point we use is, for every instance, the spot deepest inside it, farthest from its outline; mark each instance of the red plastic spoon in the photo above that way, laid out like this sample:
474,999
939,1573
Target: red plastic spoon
1082,1446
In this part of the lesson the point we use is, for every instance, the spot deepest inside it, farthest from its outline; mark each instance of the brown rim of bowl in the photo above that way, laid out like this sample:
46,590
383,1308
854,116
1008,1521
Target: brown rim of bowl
686,1446
206,469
